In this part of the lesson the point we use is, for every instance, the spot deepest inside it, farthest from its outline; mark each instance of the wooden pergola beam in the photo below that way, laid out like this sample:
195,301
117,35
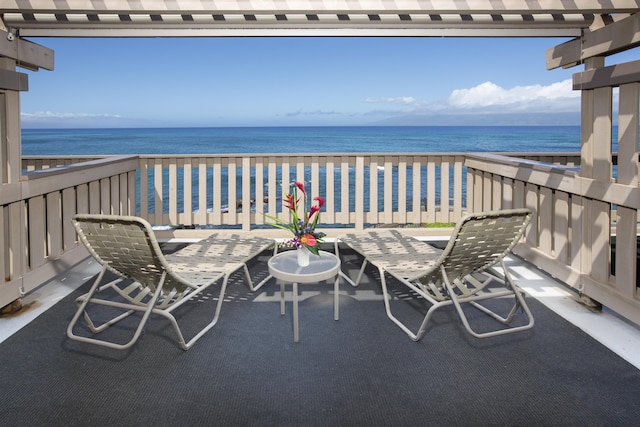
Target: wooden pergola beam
11,80
605,41
26,54
614,75
209,18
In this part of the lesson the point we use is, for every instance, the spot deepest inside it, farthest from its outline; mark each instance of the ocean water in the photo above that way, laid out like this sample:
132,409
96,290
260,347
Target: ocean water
300,140
270,140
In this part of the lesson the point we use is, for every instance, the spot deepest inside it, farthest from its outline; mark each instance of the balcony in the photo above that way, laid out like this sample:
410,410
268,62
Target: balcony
360,370
187,196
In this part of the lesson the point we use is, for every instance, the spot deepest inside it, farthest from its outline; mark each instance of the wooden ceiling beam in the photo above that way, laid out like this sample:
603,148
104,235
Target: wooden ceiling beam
605,41
26,54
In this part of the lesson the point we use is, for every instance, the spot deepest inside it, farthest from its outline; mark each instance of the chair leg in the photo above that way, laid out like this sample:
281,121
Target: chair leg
512,290
253,288
148,308
360,273
105,325
83,305
417,336
186,345
344,276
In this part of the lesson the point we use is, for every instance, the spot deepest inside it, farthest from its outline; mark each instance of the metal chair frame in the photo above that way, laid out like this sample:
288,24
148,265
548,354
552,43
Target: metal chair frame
479,242
149,281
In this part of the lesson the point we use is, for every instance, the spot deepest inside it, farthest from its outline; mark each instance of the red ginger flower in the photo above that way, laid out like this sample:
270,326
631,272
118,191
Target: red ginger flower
300,185
316,208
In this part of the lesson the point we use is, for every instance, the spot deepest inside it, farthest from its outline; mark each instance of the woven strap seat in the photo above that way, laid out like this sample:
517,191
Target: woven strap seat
391,250
224,251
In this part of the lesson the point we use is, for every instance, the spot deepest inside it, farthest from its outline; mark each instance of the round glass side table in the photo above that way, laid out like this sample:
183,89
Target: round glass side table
284,267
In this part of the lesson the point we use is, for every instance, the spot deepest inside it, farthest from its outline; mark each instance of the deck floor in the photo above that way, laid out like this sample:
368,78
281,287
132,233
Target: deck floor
616,333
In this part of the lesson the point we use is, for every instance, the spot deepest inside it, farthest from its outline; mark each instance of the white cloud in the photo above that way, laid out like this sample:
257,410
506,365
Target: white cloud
402,100
487,98
47,115
489,94
311,113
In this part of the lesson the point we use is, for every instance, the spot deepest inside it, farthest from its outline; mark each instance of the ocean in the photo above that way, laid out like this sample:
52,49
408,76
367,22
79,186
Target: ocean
269,140
259,140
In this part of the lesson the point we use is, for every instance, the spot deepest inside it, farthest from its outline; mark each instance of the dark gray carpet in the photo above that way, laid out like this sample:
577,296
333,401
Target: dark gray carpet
361,370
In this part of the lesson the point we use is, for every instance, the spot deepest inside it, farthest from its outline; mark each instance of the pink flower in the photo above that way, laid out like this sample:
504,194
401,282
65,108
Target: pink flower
308,240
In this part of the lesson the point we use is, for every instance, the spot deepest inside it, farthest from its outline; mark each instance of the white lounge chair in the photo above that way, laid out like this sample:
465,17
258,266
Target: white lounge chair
458,274
147,280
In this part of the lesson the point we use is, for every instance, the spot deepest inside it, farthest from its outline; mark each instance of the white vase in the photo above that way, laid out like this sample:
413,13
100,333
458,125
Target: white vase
303,256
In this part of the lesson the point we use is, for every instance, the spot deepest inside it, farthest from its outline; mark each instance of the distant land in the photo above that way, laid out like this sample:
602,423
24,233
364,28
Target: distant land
487,119
411,119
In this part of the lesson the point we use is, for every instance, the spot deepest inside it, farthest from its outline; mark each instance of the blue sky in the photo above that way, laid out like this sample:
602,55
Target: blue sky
178,82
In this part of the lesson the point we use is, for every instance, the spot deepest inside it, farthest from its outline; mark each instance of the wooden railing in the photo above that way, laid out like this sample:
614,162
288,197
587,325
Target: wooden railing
361,190
35,163
596,254
38,239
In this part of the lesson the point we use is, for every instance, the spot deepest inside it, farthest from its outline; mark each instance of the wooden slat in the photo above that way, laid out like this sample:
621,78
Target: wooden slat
73,200
373,190
113,193
200,217
531,200
458,189
388,190
359,193
344,191
173,192
272,189
82,198
158,185
131,192
123,193
285,185
216,214
105,196
496,192
416,193
94,197
487,191
54,224
628,134
36,247
445,178
4,251
431,190
17,247
260,196
600,223
144,188
507,193
561,230
402,189
246,194
545,215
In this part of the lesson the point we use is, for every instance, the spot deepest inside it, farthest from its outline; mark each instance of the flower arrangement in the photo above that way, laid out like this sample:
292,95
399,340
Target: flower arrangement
304,219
